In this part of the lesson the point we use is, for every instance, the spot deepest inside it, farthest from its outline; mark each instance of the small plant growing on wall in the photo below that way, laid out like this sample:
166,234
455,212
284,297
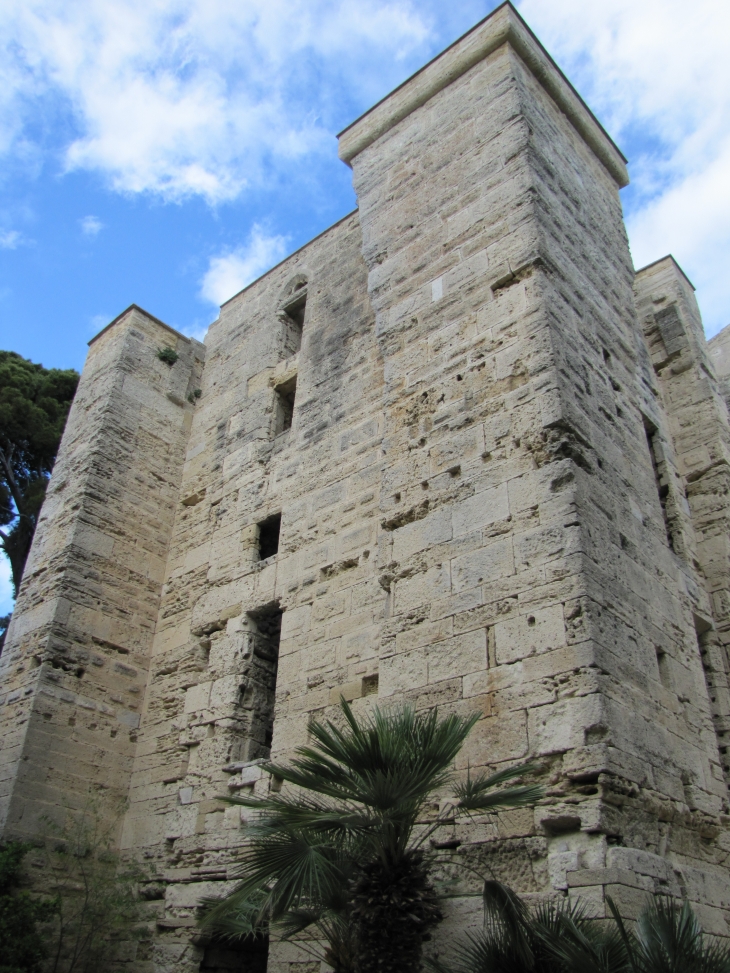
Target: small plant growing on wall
195,394
97,909
21,949
168,355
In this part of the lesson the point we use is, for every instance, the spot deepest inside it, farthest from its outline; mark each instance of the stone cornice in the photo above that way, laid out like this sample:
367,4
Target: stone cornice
503,26
661,260
140,310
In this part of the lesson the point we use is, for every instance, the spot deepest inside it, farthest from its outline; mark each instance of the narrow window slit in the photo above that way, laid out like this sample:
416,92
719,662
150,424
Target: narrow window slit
663,667
284,405
269,531
292,316
658,466
265,636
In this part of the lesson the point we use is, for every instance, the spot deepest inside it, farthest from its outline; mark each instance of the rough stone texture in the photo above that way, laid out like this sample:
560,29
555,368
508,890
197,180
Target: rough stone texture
74,670
719,351
500,461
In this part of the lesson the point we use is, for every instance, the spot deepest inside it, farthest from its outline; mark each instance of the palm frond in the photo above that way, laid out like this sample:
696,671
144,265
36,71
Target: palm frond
581,945
380,761
246,919
482,952
283,872
299,812
326,852
480,794
507,923
668,936
295,921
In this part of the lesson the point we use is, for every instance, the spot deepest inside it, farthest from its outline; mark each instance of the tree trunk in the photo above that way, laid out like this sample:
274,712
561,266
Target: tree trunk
395,907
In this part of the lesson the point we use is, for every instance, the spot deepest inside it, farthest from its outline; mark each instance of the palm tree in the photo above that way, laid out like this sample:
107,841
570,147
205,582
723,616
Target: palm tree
562,938
669,939
348,851
555,938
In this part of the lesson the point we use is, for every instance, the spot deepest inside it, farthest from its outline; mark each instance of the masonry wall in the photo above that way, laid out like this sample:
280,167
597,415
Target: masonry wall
718,349
500,471
73,671
697,427
540,587
203,729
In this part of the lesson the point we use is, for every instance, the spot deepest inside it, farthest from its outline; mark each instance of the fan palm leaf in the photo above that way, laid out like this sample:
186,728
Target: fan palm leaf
669,939
555,938
342,850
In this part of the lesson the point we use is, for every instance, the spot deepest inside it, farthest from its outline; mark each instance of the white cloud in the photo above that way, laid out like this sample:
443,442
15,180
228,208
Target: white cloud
196,331
6,587
205,98
10,239
658,74
232,270
192,97
99,321
91,225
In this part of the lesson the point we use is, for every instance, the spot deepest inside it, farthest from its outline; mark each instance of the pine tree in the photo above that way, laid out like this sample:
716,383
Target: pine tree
34,405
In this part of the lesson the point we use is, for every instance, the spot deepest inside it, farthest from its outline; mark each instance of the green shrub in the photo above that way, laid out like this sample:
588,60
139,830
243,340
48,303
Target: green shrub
168,355
96,893
21,949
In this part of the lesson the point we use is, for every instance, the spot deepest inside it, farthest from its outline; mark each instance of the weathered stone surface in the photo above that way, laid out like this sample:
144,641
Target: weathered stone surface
500,463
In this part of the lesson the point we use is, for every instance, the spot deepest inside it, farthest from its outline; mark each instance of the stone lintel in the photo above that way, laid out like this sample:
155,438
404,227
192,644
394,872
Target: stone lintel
140,310
503,26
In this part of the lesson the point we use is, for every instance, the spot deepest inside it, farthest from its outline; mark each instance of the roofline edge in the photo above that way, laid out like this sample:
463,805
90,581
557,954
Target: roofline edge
504,25
136,307
667,256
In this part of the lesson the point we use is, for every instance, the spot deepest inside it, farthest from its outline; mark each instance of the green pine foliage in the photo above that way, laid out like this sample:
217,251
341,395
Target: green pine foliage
4,625
344,852
21,948
34,405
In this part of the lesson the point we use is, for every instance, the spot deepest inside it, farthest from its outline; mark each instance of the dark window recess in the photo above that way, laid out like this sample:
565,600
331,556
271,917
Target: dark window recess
265,634
658,466
269,531
296,310
370,685
292,317
713,665
663,666
284,405
247,956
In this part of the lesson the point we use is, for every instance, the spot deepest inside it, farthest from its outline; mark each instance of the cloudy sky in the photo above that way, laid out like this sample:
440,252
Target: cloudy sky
167,152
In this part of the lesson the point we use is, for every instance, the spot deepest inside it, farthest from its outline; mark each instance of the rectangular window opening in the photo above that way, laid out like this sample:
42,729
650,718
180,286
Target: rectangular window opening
716,682
265,636
663,666
370,685
658,466
293,318
269,531
284,405
249,955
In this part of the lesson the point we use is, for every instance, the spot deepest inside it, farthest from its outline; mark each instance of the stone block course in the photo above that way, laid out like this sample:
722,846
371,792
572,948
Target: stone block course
503,491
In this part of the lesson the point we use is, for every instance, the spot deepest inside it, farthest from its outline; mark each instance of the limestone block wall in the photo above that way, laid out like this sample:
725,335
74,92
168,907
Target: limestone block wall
444,453
73,672
697,427
718,349
529,566
208,711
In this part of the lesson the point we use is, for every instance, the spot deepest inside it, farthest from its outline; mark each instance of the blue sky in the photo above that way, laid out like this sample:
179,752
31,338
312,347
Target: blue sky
167,152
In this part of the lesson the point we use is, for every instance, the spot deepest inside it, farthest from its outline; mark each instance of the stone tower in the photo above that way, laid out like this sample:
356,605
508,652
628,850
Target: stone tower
455,451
